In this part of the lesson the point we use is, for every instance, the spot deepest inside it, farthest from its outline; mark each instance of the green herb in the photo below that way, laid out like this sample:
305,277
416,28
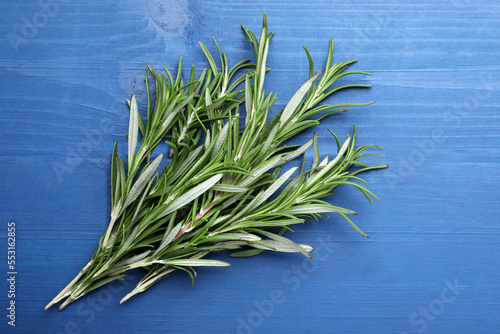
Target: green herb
228,192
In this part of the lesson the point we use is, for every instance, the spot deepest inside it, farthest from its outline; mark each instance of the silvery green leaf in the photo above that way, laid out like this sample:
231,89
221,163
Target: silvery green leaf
167,239
201,79
232,236
262,72
130,238
315,151
133,129
247,236
232,200
262,169
261,46
284,242
214,104
143,180
248,99
207,139
183,103
194,263
298,152
294,183
190,195
320,166
303,163
171,106
317,208
222,218
270,138
281,247
220,140
228,188
133,259
282,222
271,190
144,194
297,98
208,98
168,122
331,163
189,160
324,162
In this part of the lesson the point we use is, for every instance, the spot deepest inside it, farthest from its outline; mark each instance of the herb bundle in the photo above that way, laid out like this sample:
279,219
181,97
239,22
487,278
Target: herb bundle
224,188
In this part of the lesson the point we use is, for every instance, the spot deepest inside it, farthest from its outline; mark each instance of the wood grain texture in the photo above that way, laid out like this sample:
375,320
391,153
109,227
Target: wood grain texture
66,69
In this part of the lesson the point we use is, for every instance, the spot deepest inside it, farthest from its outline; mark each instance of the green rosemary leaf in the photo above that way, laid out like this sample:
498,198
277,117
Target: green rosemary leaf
248,99
133,129
169,237
148,111
232,236
317,208
220,140
264,167
298,152
361,170
315,151
270,138
210,59
179,73
279,246
331,164
140,123
189,160
272,189
297,98
144,194
311,63
114,172
353,225
229,188
143,180
333,90
194,263
189,196
285,243
120,189
292,185
133,259
364,190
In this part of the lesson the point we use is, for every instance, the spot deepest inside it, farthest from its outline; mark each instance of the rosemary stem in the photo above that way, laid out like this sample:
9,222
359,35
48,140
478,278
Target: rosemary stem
65,291
66,303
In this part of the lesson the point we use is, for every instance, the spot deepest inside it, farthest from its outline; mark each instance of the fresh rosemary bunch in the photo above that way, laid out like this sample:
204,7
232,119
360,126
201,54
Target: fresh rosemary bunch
228,192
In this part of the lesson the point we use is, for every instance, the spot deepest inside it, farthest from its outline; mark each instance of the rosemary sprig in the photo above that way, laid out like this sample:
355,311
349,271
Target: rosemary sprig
227,193
126,203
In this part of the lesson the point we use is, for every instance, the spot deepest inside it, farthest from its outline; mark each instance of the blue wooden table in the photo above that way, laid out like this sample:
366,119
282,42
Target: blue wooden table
431,263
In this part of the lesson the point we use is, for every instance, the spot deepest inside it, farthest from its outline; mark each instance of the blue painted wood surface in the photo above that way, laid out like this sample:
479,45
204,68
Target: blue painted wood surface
431,263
